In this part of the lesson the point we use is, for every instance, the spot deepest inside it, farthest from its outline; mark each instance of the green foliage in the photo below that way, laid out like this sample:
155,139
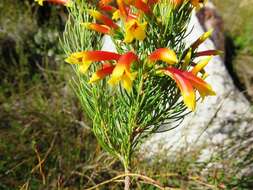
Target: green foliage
120,119
244,42
26,44
238,26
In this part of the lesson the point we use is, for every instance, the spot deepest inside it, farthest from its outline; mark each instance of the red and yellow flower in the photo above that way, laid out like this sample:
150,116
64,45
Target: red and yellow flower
176,3
164,54
121,72
104,2
106,28
84,59
107,8
208,53
188,82
97,27
103,18
106,70
134,29
139,4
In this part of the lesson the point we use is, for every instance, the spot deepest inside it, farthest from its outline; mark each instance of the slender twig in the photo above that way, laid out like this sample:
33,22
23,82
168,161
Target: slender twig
40,166
25,186
145,178
46,155
192,178
16,166
202,183
83,175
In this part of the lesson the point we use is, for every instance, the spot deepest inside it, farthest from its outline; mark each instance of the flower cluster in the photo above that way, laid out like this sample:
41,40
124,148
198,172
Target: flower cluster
127,18
164,60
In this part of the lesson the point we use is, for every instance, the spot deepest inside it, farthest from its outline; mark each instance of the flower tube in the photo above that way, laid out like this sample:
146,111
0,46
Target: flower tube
141,5
84,59
200,66
164,54
106,70
122,73
208,53
188,83
104,19
107,8
184,85
97,27
201,39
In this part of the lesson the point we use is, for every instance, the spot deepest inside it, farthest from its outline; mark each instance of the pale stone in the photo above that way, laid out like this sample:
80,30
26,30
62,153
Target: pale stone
214,118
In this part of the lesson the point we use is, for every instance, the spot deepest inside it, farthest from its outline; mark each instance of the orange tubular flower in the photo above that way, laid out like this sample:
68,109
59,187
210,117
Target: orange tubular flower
105,19
122,8
107,8
104,2
208,53
122,73
102,73
200,66
164,54
98,28
85,58
203,88
187,83
141,5
176,3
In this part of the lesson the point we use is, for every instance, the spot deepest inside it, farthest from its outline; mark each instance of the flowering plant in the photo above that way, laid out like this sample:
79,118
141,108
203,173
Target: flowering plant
147,81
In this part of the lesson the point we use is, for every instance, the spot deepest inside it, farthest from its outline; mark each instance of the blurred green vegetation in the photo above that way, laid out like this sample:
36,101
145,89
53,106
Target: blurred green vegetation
41,120
238,21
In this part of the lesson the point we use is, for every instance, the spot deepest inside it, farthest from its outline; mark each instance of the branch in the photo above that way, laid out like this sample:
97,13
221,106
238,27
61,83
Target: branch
145,178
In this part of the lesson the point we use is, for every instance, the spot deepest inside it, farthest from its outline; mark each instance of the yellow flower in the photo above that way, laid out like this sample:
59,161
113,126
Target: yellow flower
40,2
135,30
164,54
188,84
116,15
200,66
84,59
121,72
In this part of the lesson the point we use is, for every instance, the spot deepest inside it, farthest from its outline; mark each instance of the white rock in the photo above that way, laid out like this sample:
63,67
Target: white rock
216,117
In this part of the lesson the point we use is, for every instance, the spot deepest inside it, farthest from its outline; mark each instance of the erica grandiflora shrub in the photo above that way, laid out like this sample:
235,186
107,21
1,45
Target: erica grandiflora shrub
148,81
